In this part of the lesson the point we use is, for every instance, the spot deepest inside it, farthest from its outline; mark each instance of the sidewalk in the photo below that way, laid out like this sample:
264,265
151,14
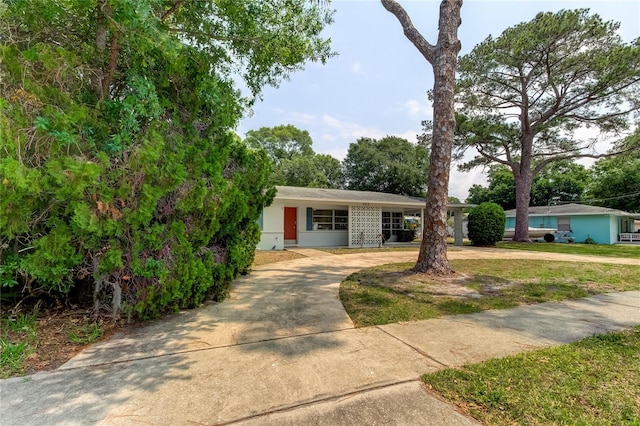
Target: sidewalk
281,350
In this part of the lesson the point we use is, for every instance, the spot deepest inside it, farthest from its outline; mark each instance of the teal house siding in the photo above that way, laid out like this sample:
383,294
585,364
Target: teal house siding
597,227
603,225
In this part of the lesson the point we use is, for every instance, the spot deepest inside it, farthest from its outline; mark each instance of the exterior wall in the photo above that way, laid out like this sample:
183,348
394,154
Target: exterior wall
273,227
535,222
542,222
599,228
365,225
272,237
602,229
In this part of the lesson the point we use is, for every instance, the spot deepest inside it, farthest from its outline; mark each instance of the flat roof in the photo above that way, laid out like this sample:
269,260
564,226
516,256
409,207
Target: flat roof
344,196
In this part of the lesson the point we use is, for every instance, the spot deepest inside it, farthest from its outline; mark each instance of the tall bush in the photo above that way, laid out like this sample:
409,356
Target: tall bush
120,175
486,224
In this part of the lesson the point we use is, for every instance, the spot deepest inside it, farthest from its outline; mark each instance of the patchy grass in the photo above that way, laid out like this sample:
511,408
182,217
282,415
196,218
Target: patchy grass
87,334
44,340
393,293
618,250
17,341
595,381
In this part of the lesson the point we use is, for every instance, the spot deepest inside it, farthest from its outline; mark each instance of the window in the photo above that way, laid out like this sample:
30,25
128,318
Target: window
392,222
324,220
564,224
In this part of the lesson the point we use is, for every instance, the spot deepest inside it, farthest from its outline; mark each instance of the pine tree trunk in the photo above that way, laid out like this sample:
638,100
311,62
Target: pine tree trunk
433,250
524,180
443,58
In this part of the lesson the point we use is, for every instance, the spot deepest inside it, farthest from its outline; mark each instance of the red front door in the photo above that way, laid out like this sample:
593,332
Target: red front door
290,219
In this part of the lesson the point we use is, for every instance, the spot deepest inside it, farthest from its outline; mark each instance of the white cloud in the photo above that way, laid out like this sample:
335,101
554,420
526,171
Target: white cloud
356,68
348,131
418,110
299,117
460,182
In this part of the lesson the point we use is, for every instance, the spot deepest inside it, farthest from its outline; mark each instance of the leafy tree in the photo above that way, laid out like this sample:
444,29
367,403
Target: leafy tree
443,58
313,171
563,181
616,183
294,163
282,142
331,169
527,92
391,164
501,189
119,174
486,224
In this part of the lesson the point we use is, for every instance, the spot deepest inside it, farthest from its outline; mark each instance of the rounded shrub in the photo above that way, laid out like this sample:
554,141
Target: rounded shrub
486,224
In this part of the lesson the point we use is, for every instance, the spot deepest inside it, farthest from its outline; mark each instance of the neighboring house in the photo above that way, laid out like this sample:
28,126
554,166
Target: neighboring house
316,217
601,224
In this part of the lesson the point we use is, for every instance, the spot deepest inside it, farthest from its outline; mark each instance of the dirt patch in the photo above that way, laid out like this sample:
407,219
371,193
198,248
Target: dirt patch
452,285
272,256
455,285
61,333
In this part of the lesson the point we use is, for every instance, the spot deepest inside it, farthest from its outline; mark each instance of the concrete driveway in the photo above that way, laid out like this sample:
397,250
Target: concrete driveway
281,350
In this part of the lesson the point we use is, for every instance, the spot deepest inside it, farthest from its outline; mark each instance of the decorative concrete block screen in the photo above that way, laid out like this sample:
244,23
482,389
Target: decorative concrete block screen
365,226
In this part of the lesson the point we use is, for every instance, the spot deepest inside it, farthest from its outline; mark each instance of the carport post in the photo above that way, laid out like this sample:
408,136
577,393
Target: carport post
457,225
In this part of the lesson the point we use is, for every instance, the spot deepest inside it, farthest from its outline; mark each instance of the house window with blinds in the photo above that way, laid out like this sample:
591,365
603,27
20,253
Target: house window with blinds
330,220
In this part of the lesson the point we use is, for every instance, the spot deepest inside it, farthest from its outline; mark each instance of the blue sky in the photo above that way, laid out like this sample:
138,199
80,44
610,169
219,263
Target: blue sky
377,84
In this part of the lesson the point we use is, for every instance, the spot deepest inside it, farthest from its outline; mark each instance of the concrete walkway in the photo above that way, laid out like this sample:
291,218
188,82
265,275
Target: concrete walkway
282,350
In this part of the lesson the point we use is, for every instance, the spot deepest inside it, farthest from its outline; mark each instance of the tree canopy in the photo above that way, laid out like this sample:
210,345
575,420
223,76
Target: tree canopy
526,93
562,182
293,161
282,142
120,174
390,164
615,183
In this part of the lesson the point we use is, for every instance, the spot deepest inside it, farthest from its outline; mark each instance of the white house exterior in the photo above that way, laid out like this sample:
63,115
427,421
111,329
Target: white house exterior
315,217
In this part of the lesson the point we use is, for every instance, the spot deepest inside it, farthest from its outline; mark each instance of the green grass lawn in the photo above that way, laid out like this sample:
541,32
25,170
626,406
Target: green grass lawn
618,250
392,293
595,381
17,341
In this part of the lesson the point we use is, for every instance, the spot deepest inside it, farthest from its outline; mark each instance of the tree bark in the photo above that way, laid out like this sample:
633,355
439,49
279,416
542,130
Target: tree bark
443,58
524,179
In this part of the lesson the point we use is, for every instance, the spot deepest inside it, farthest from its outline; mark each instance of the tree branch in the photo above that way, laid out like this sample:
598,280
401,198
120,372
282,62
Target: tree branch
114,51
423,46
493,158
171,10
546,161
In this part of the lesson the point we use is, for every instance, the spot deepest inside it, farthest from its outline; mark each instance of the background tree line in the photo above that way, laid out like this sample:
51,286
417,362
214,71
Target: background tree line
390,164
395,165
609,182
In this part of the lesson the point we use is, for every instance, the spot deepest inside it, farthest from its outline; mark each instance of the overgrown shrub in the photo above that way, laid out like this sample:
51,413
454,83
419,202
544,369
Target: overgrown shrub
486,224
120,175
406,235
